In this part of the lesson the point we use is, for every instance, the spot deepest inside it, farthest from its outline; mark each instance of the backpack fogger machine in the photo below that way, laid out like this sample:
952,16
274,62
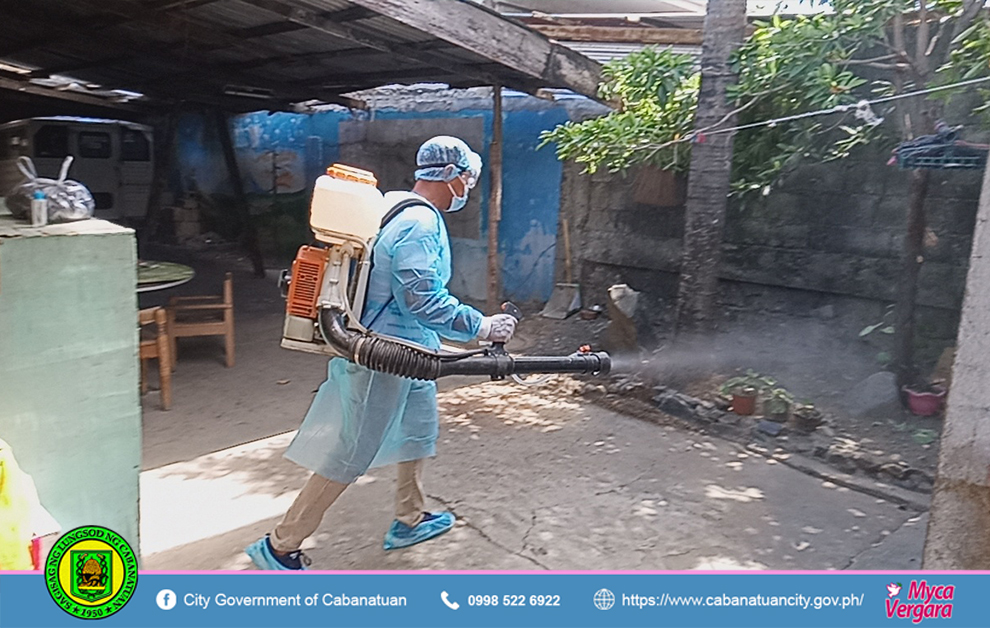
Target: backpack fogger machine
327,286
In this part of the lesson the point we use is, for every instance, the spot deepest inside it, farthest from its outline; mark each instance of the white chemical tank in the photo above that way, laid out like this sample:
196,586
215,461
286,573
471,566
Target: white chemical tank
347,204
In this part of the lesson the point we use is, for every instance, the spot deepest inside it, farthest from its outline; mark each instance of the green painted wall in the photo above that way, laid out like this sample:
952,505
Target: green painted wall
69,399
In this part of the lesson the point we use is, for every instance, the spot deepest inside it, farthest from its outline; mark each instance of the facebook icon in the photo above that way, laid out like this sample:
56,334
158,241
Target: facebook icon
166,599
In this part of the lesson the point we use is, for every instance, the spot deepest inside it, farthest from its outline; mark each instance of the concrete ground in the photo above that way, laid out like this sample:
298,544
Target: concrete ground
538,478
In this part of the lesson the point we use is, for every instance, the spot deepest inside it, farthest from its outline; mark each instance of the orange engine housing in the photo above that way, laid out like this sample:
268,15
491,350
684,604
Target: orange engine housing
307,277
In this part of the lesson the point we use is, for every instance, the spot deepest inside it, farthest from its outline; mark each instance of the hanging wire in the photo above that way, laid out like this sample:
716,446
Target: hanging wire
862,110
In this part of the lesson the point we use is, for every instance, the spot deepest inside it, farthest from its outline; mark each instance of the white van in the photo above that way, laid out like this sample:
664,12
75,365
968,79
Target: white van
113,158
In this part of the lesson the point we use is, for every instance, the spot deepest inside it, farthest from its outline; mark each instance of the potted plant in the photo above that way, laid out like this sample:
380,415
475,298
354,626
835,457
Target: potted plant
744,400
807,417
743,392
925,400
777,405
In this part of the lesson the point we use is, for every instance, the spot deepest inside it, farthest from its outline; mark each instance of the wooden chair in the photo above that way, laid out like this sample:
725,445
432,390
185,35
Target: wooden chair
203,316
156,346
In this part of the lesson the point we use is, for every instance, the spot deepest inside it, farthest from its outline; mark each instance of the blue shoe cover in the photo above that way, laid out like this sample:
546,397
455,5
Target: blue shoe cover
264,558
433,524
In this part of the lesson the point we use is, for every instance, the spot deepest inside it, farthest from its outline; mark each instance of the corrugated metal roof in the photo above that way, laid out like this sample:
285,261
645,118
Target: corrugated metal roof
328,6
391,28
231,14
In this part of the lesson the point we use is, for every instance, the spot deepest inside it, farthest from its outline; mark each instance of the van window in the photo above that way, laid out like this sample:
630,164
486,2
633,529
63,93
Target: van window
12,143
134,146
103,200
51,141
94,145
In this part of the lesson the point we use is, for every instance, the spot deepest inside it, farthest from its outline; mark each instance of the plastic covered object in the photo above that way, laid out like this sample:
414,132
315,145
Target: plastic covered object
67,200
18,500
943,150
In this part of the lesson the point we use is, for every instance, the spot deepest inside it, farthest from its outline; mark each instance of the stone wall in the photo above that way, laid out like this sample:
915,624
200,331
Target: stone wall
829,235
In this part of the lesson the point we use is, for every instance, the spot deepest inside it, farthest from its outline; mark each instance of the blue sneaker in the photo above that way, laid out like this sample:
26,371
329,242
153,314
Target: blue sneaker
433,524
264,557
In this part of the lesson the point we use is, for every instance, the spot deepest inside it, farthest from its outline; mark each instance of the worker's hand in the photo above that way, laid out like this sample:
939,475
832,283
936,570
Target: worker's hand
497,328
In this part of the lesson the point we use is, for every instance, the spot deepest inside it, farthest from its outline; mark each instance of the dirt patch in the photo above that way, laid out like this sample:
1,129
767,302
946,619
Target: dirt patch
804,355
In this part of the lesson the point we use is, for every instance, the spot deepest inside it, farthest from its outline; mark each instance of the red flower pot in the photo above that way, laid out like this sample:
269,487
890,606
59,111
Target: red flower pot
925,403
743,404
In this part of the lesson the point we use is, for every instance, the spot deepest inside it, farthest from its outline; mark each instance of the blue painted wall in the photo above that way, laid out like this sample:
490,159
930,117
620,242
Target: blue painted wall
300,146
530,205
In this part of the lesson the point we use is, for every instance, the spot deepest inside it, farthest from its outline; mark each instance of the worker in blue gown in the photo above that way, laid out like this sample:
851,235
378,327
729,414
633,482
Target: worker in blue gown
361,419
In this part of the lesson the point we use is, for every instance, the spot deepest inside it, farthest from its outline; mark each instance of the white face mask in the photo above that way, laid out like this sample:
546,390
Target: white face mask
457,203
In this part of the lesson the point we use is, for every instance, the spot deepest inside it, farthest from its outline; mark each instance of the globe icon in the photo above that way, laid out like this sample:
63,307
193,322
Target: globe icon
604,599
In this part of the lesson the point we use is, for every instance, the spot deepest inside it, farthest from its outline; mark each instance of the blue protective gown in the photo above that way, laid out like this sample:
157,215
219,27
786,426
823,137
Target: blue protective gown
361,418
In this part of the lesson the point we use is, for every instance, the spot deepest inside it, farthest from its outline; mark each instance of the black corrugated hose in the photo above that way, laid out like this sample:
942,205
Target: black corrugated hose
396,357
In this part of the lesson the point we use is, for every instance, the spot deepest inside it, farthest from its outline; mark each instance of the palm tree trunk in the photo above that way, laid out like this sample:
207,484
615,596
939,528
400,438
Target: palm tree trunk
917,119
711,169
914,250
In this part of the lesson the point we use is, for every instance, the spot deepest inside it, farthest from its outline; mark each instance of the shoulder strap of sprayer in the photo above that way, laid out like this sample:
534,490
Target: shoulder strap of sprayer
391,214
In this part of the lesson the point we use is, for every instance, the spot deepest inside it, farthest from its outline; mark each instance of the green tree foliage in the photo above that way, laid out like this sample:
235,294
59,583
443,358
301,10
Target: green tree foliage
656,93
787,67
970,59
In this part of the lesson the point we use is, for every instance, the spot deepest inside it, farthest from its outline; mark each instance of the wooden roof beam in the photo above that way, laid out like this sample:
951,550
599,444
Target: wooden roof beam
216,79
86,28
295,11
203,69
622,34
657,23
211,77
297,57
488,34
350,14
204,37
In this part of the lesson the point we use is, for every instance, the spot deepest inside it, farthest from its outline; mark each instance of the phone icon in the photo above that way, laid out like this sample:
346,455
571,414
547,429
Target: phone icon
451,605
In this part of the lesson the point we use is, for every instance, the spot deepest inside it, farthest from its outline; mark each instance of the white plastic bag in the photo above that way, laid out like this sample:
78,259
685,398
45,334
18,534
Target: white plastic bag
67,200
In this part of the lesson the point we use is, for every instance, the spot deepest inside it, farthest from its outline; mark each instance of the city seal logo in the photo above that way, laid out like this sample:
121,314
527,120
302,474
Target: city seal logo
91,573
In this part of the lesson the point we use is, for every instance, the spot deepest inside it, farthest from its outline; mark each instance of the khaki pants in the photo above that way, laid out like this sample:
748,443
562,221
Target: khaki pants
306,513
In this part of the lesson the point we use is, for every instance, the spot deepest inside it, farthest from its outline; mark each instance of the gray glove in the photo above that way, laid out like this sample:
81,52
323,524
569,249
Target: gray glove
497,328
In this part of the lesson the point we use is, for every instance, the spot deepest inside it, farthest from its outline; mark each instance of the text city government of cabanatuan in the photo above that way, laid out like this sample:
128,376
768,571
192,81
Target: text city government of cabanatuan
324,599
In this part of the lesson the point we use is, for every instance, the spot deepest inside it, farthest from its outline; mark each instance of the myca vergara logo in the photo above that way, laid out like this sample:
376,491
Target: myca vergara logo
91,572
924,601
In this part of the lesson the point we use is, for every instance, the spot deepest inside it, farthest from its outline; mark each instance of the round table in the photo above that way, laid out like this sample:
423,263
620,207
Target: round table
153,275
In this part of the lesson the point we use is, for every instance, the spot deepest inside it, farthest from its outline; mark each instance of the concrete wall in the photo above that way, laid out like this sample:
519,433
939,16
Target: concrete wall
69,405
299,147
959,528
388,146
831,234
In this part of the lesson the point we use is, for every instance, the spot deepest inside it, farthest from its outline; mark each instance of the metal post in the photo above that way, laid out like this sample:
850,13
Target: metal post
164,161
495,202
249,234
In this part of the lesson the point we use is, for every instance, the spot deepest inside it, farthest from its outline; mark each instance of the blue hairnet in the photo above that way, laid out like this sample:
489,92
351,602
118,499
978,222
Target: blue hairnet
436,154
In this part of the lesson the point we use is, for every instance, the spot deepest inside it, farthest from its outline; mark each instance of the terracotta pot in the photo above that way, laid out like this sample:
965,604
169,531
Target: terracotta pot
744,403
925,403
